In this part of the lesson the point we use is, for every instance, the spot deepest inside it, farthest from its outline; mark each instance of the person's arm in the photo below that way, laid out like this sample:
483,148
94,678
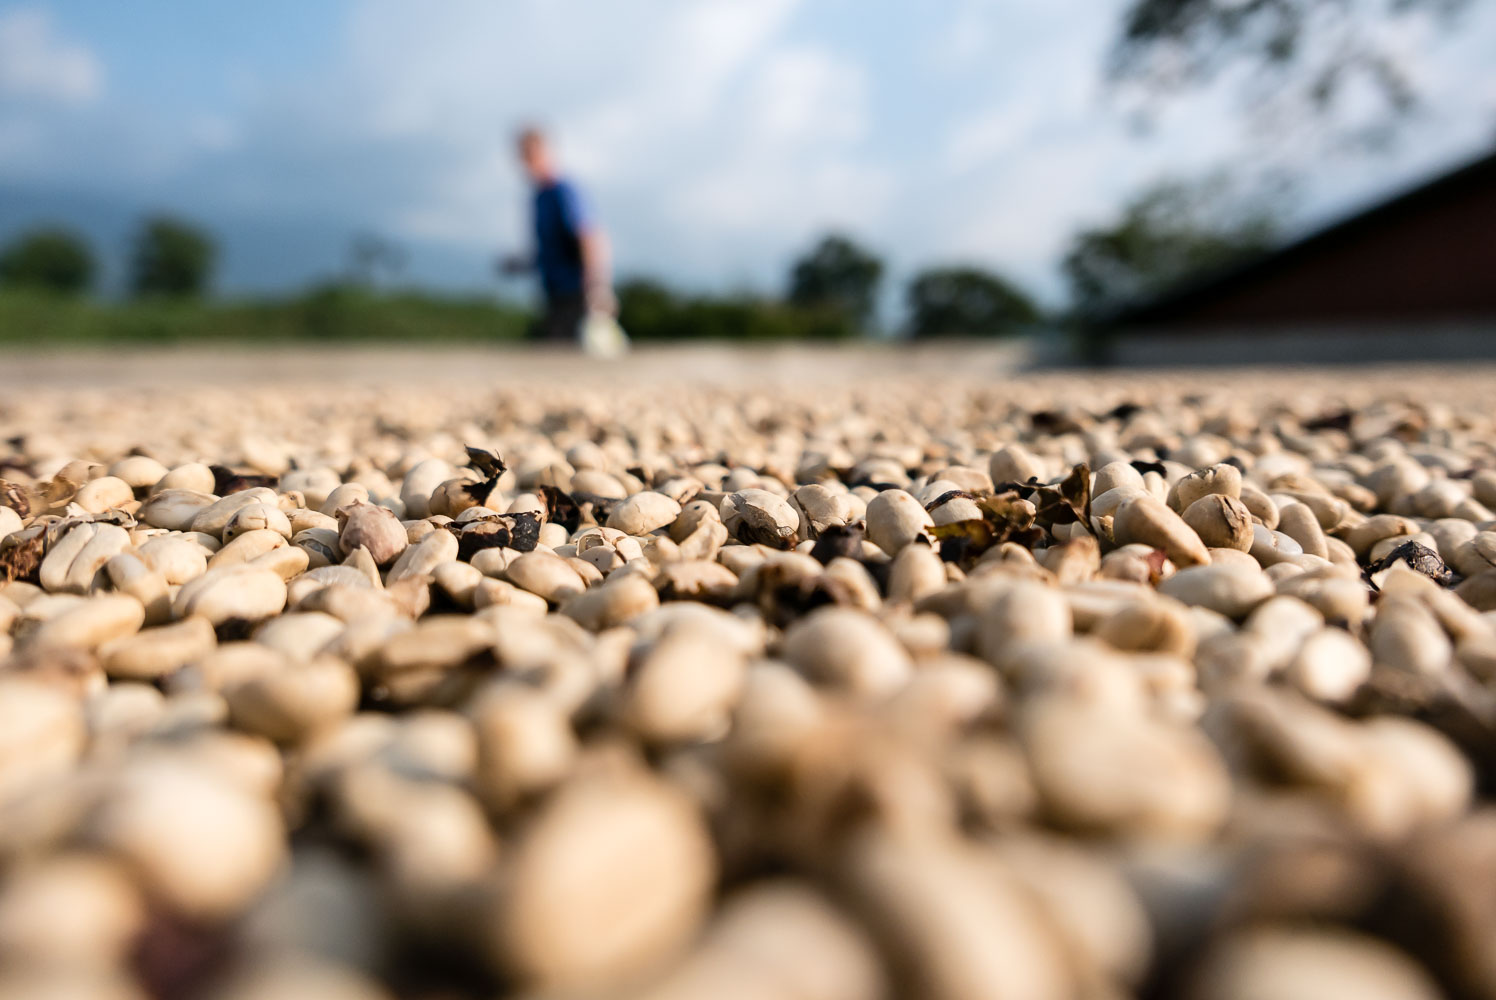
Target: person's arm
597,271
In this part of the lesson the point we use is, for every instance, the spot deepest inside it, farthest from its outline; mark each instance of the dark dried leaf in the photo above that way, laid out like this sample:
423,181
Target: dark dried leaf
962,541
490,466
1045,419
235,629
947,497
1076,489
1068,503
1054,422
1023,490
1144,467
487,462
526,531
226,481
1006,517
1335,420
867,480
475,536
1029,538
764,532
881,569
1053,509
783,599
595,505
1419,558
560,508
838,540
477,492
519,531
1008,509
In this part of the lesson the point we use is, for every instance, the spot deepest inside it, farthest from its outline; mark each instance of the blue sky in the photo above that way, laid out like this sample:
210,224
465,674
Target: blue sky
716,137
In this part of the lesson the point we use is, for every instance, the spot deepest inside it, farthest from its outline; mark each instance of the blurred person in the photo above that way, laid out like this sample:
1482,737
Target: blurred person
571,250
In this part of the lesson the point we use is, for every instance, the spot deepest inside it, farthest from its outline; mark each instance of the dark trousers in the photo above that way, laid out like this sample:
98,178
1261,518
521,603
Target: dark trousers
561,323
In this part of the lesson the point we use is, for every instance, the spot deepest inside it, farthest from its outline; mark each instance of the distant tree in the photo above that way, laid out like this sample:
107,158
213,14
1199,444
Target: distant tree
648,310
837,274
172,258
51,259
966,301
1287,56
1170,231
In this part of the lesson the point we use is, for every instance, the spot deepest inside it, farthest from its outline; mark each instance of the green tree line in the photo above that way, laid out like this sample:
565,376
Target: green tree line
832,292
168,258
1168,232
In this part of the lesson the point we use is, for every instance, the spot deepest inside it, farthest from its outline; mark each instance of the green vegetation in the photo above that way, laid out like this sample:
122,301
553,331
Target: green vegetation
330,314
1168,233
839,276
965,302
1305,68
171,258
831,294
649,310
53,260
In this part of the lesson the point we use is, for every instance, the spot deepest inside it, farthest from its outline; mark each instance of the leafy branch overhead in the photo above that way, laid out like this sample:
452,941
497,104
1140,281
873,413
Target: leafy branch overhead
1326,55
1168,233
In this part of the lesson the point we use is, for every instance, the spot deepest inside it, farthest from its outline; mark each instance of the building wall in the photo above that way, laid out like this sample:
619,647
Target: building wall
1294,344
1430,255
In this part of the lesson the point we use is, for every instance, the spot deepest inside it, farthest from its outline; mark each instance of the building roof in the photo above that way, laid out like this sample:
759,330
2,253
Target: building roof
1430,251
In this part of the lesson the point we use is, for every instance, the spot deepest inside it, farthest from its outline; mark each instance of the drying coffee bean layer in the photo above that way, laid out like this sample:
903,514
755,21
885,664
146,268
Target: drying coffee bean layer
844,688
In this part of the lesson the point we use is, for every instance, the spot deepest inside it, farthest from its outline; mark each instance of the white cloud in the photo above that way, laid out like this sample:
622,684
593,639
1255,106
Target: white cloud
37,64
973,34
632,90
989,135
792,164
1021,179
806,95
716,136
710,137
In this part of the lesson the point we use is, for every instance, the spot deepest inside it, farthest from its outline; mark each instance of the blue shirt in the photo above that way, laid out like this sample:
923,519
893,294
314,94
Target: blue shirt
561,218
